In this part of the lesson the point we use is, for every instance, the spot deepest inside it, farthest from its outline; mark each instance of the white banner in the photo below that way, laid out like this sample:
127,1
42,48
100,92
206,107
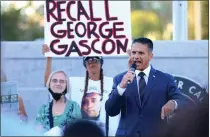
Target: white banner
87,28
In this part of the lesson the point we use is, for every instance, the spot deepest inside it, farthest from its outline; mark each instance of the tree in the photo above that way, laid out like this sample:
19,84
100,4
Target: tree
146,23
190,17
205,19
10,24
18,26
134,5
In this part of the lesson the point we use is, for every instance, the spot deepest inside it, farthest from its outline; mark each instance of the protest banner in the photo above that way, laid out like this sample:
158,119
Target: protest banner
87,28
9,97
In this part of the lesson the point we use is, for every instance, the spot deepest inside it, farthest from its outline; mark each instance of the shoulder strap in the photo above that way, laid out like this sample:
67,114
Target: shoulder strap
50,117
107,125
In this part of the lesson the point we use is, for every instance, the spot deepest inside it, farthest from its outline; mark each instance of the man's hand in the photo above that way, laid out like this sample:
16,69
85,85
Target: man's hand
128,76
130,59
168,109
46,49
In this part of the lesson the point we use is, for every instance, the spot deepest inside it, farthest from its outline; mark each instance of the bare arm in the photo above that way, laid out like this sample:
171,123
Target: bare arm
47,70
22,112
21,106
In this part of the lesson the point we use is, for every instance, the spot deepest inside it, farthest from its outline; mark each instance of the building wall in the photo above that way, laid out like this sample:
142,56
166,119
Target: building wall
24,63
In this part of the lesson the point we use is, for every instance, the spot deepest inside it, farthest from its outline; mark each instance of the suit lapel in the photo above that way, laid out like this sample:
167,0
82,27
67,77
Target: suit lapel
151,82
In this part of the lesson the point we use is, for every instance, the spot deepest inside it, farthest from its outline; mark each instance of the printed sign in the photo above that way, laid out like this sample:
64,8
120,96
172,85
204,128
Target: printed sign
9,97
191,88
87,28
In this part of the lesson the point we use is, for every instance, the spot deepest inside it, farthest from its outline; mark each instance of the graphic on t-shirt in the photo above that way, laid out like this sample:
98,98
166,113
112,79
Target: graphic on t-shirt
91,104
92,101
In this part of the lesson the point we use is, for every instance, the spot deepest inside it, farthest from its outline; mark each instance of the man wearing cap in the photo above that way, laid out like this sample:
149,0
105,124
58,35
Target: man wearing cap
91,92
91,104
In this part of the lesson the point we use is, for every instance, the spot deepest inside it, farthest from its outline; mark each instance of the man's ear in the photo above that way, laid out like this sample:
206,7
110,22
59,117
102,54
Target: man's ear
150,56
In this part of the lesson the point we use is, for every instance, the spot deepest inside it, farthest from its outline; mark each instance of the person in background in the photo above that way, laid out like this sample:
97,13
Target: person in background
83,128
190,123
94,80
60,111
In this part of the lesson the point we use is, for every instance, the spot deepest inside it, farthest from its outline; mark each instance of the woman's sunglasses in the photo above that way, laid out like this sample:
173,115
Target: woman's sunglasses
92,60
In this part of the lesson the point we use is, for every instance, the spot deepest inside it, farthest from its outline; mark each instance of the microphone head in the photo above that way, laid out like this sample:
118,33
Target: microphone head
134,60
133,69
133,66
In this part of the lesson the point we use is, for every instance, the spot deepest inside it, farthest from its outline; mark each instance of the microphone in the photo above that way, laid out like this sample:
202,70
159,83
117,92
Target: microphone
132,68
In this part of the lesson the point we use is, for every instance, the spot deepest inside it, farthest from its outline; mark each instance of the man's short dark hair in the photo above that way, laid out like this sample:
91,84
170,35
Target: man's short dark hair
145,41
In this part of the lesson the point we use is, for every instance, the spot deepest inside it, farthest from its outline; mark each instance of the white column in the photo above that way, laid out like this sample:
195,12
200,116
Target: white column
180,23
197,20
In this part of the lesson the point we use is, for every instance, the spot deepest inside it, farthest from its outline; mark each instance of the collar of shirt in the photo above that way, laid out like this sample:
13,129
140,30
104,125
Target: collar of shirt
146,71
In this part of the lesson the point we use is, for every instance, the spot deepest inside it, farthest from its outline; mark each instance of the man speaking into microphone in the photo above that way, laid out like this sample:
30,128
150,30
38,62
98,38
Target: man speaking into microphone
144,96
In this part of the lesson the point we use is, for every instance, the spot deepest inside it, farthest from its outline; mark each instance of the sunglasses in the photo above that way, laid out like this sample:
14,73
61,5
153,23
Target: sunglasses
92,60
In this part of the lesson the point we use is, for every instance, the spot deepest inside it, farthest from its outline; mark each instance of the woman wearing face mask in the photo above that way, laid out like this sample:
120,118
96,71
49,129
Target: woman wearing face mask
91,91
60,111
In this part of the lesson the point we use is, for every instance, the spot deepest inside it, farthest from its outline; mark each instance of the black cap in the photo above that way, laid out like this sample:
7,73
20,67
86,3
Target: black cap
98,57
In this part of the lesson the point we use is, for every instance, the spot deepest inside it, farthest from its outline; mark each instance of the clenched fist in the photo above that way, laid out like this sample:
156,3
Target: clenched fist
128,76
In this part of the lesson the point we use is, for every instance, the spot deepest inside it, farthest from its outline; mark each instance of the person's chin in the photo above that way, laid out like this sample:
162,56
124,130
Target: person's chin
57,91
138,68
93,115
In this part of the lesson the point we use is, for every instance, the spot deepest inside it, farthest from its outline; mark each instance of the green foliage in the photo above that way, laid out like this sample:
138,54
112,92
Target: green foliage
145,22
17,26
205,19
10,21
134,5
190,17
